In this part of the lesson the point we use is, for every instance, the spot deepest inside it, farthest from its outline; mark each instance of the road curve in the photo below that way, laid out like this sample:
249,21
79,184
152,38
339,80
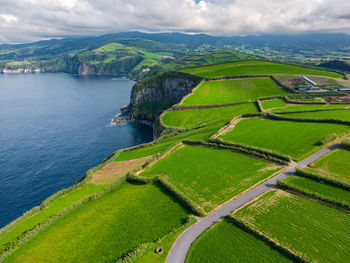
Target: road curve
180,248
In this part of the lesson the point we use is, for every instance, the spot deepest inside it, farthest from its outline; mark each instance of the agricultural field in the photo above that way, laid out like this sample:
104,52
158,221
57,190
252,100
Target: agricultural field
210,176
316,231
271,104
212,116
226,242
307,107
296,139
334,165
320,190
107,228
256,68
53,208
233,90
333,114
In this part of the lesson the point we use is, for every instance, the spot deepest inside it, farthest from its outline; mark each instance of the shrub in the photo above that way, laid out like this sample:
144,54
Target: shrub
328,139
346,144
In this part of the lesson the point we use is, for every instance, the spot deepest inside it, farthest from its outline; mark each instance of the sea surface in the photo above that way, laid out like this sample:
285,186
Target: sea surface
53,128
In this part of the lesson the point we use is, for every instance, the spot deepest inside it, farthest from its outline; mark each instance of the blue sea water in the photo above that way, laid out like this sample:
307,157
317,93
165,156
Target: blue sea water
53,128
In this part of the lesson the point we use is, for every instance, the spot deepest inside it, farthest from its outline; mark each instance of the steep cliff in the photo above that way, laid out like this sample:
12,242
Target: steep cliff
149,97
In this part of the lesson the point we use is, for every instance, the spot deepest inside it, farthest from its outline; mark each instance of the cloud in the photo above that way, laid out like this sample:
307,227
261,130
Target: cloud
29,20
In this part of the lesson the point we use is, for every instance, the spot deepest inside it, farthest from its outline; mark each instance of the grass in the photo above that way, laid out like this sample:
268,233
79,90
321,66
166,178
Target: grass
107,228
53,208
305,107
213,116
319,190
333,114
270,104
318,232
234,90
296,139
334,165
256,68
226,242
209,176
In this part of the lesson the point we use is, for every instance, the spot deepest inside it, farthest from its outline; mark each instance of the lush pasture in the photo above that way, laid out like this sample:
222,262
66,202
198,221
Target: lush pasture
233,90
214,116
226,242
319,232
335,165
209,176
270,104
296,139
305,107
333,114
255,68
314,188
104,229
54,207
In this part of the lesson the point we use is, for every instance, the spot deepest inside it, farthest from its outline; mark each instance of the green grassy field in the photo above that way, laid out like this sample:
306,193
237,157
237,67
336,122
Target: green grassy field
105,229
304,107
296,139
324,191
226,242
334,165
234,90
333,114
270,104
214,116
255,68
54,207
319,232
209,176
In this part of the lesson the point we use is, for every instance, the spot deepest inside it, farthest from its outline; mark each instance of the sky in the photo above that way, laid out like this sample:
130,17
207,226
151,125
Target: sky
31,20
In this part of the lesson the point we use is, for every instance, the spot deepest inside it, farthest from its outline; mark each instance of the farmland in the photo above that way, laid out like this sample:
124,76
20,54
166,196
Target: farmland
306,107
106,228
209,176
225,242
276,135
256,68
212,116
316,231
270,104
236,90
334,114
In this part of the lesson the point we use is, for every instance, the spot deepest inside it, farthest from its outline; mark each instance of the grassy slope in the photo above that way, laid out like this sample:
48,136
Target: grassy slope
255,68
303,107
214,116
335,165
269,104
225,242
296,139
53,208
209,176
227,91
324,191
335,114
318,231
105,229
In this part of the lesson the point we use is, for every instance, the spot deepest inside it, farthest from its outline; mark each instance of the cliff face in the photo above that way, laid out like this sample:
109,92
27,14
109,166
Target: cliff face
149,97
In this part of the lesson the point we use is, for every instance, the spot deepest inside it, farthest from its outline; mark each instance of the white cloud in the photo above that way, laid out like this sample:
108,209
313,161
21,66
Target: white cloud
28,20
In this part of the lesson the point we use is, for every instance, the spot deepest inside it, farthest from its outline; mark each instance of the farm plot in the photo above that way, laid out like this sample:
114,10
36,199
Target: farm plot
316,231
209,176
319,190
333,114
256,68
270,104
334,165
226,242
296,139
107,228
306,107
233,90
213,116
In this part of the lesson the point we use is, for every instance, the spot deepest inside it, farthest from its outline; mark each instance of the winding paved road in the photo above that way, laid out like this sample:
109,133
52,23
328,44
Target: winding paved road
183,243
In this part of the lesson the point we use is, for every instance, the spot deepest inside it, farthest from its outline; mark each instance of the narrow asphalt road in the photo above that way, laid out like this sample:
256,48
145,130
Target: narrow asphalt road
180,248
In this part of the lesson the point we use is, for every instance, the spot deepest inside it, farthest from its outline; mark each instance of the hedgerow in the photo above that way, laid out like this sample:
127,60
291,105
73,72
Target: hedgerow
206,106
272,243
328,139
346,144
258,104
332,121
303,111
289,99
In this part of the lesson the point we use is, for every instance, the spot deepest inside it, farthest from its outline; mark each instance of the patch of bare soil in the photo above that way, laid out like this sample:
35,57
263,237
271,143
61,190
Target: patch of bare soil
343,99
291,81
114,170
